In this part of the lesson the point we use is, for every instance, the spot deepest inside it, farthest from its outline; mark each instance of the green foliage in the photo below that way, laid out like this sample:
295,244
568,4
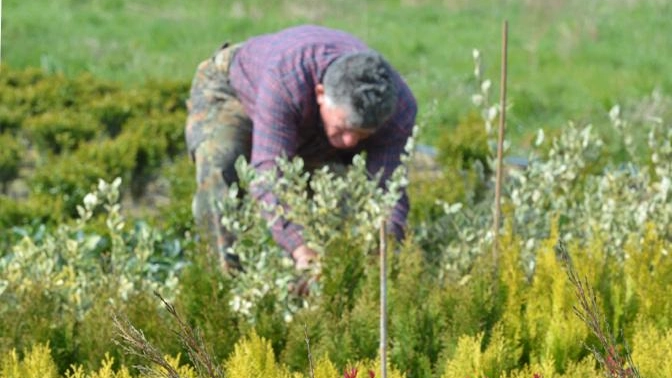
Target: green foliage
206,303
29,319
555,332
583,369
114,109
60,131
461,163
480,324
451,313
70,272
467,359
77,130
351,200
24,219
63,179
649,270
416,332
469,305
465,145
105,371
651,349
37,363
500,355
253,357
10,158
173,197
11,117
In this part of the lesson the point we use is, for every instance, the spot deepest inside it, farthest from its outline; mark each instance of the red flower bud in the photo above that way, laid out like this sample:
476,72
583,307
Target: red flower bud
351,374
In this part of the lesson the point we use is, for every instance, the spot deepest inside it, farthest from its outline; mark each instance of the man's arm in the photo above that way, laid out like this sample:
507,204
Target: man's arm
275,135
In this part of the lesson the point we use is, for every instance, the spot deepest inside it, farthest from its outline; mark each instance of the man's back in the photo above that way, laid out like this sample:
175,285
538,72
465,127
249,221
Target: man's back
287,64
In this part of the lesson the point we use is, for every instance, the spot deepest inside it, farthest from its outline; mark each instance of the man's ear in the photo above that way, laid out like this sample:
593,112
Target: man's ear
319,93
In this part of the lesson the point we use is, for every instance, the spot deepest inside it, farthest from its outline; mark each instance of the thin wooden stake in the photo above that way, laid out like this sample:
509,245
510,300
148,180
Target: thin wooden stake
0,33
383,301
500,145
310,356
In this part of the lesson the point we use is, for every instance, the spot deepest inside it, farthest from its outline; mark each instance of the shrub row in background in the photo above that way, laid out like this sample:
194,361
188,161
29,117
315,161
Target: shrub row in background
60,135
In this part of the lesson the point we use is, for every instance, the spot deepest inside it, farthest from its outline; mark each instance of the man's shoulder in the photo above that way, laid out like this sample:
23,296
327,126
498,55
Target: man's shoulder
299,39
311,32
300,53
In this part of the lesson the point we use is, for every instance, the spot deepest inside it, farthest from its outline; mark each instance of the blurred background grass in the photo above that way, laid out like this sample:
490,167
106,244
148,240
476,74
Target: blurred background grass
568,59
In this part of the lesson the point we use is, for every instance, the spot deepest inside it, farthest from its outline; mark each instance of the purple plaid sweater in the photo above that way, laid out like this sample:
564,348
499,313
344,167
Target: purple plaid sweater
274,76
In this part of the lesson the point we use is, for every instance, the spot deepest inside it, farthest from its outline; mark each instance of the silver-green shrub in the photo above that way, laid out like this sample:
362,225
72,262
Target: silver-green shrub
569,186
75,264
349,202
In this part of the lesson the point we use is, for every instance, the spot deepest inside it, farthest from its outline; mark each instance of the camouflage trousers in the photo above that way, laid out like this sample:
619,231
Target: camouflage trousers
218,131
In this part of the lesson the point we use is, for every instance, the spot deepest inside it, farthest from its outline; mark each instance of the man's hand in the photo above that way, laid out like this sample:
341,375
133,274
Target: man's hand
304,257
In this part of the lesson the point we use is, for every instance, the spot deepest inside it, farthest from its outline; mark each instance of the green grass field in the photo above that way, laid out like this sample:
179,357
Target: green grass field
568,59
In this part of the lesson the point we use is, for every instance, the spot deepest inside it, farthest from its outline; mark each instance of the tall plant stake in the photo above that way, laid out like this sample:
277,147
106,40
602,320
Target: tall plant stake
383,301
500,146
0,33
310,356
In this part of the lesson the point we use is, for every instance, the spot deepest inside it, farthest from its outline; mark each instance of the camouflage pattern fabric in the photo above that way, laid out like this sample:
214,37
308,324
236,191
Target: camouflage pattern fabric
218,131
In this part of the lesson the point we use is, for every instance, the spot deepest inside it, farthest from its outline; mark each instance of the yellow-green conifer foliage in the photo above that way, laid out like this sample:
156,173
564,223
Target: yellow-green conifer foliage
183,370
583,369
106,371
515,286
499,356
594,264
648,267
324,368
555,331
253,358
652,350
468,359
37,363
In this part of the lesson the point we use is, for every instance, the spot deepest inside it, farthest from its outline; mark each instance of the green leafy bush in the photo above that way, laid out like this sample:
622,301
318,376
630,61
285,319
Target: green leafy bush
11,117
69,272
10,158
113,110
67,179
81,129
61,131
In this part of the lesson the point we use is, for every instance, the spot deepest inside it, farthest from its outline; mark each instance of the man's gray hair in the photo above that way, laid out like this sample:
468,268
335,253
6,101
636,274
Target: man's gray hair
363,83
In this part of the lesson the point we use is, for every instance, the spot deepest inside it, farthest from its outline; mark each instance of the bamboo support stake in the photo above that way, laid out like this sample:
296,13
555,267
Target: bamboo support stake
500,145
383,301
310,355
0,34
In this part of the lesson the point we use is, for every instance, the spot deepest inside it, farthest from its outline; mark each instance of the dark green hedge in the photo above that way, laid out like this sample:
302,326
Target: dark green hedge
60,135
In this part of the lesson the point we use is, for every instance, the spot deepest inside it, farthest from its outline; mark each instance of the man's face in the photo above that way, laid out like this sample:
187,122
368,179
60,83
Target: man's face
335,120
